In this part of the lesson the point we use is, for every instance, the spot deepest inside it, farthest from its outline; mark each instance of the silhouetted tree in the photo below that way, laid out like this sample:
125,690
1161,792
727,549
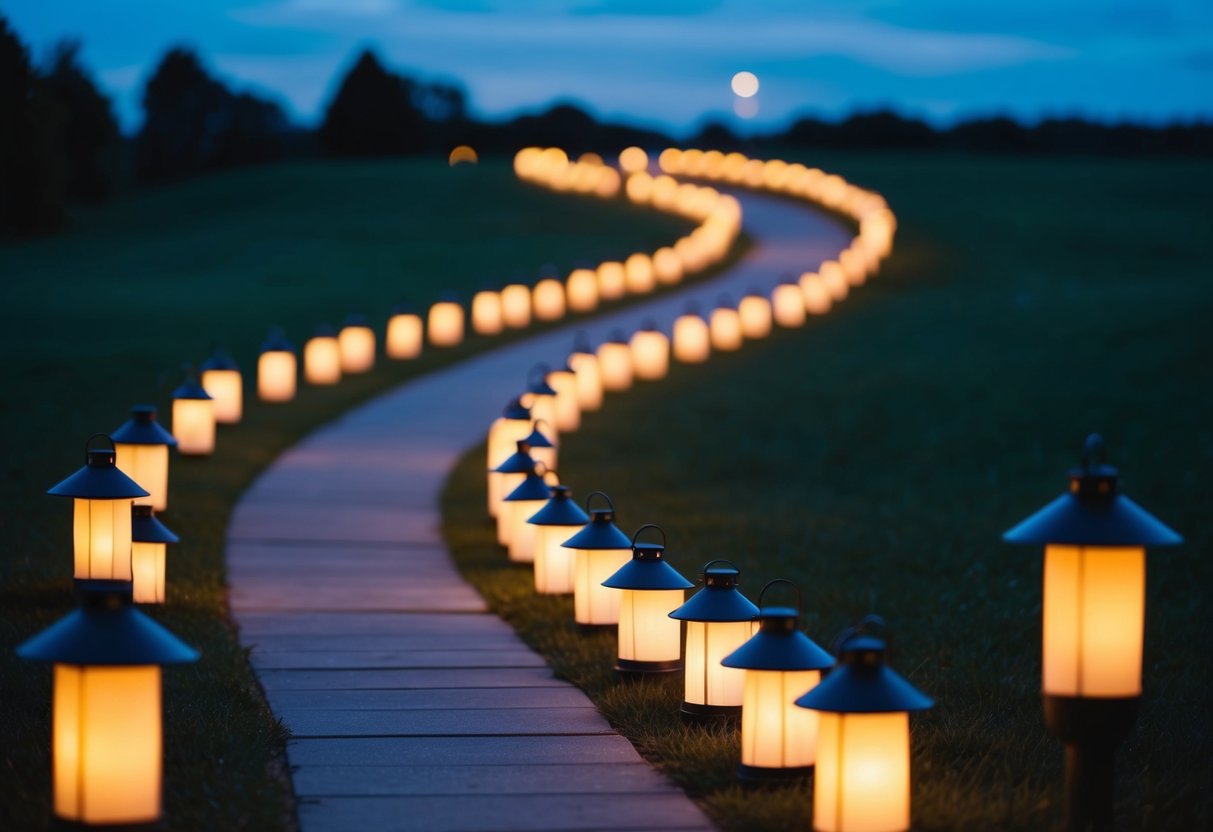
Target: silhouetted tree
999,134
374,113
31,171
89,135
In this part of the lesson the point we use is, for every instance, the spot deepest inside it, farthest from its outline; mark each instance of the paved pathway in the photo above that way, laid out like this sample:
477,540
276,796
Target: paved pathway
411,707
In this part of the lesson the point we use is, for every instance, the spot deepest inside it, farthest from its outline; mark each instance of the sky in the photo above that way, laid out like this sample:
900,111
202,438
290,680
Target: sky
668,63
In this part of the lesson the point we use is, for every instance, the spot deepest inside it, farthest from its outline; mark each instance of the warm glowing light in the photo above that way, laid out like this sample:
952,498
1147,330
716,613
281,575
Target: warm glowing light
558,520
141,451
516,305
486,313
589,380
615,364
667,266
817,299
755,314
775,733
787,305
692,342
638,274
612,280
582,290
855,265
567,411
149,541
356,343
650,353
866,783
404,335
670,161
518,507
725,328
745,84
639,188
504,434
548,299
322,359
707,681
834,279
462,154
446,323
277,371
647,634
222,381
633,160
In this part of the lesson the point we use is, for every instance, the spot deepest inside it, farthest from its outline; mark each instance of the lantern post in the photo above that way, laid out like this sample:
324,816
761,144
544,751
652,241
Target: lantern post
725,326
599,549
540,397
141,449
754,312
1093,613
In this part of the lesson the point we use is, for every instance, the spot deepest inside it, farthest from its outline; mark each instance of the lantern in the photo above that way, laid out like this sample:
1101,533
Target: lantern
540,396
486,312
667,266
513,424
817,300
568,412
862,778
222,381
511,473
193,419
548,299
276,369
787,304
615,362
725,327
582,288
719,620
584,363
834,279
638,274
106,713
445,322
692,341
599,549
558,520
650,352
754,312
149,538
101,529
322,357
778,739
518,506
1093,624
141,450
356,345
649,640
612,280
516,305
403,339
542,448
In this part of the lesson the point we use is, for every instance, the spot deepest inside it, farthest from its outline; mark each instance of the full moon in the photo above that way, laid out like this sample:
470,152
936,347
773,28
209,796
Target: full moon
745,84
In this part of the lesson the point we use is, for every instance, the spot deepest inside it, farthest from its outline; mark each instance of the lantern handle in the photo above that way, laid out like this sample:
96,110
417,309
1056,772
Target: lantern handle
866,624
649,526
1094,452
88,442
799,596
601,494
709,564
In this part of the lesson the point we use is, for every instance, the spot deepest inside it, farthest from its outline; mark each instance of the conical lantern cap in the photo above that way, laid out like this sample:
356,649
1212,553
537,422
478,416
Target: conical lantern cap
720,599
147,528
534,487
355,319
861,683
99,479
648,568
276,342
601,532
538,439
560,510
143,429
779,645
519,462
219,360
516,410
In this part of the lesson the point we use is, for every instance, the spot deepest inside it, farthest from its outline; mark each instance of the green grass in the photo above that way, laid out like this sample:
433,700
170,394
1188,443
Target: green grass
103,317
876,456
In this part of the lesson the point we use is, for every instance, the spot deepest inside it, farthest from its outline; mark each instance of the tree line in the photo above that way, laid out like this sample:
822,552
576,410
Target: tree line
60,142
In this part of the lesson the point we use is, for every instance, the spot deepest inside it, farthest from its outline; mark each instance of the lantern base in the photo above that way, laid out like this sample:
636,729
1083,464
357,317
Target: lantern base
59,824
764,776
1090,729
701,714
632,669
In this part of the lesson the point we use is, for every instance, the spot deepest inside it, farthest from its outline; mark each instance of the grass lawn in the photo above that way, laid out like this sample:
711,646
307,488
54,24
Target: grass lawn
876,456
102,318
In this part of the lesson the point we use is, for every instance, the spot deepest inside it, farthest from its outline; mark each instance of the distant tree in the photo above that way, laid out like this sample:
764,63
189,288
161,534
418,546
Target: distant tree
31,171
999,134
89,135
884,128
374,113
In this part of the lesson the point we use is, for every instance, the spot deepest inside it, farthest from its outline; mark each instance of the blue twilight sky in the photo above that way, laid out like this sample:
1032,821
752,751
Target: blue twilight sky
669,62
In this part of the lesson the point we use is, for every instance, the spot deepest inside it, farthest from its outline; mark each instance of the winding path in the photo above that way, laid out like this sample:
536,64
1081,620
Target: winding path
410,706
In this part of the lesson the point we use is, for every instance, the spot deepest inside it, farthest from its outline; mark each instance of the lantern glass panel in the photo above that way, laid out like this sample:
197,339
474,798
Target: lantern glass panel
548,299
516,305
755,315
726,330
148,466
403,336
553,562
1094,618
446,324
194,426
692,344
615,365
107,744
583,290
486,313
568,411
862,780
707,681
589,380
102,539
522,533
147,571
775,732
593,603
646,631
357,347
276,372
322,361
226,388
650,355
505,485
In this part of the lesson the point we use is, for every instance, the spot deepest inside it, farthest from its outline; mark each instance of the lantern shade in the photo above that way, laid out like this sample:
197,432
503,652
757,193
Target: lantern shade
222,381
615,363
277,369
322,357
649,640
650,353
446,323
518,507
862,683
356,344
193,419
149,538
599,549
558,520
141,448
404,334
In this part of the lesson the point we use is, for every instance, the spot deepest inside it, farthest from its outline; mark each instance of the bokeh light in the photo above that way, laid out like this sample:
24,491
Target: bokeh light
463,154
745,84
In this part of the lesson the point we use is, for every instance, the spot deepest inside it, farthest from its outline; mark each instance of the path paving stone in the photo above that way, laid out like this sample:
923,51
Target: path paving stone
411,707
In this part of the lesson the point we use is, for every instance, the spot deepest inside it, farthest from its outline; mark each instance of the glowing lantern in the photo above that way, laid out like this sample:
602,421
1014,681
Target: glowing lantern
584,364
649,640
787,305
513,424
542,448
719,620
817,300
322,357
193,419
855,265
149,539
558,520
548,299
638,274
518,507
692,341
583,290
725,327
445,324
633,160
568,412
106,715
516,305
778,739
222,381
141,450
463,154
486,312
102,496
1093,624
512,472
615,362
356,344
599,549
862,778
612,280
404,335
277,369
755,314
667,266
834,279
650,352
540,397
